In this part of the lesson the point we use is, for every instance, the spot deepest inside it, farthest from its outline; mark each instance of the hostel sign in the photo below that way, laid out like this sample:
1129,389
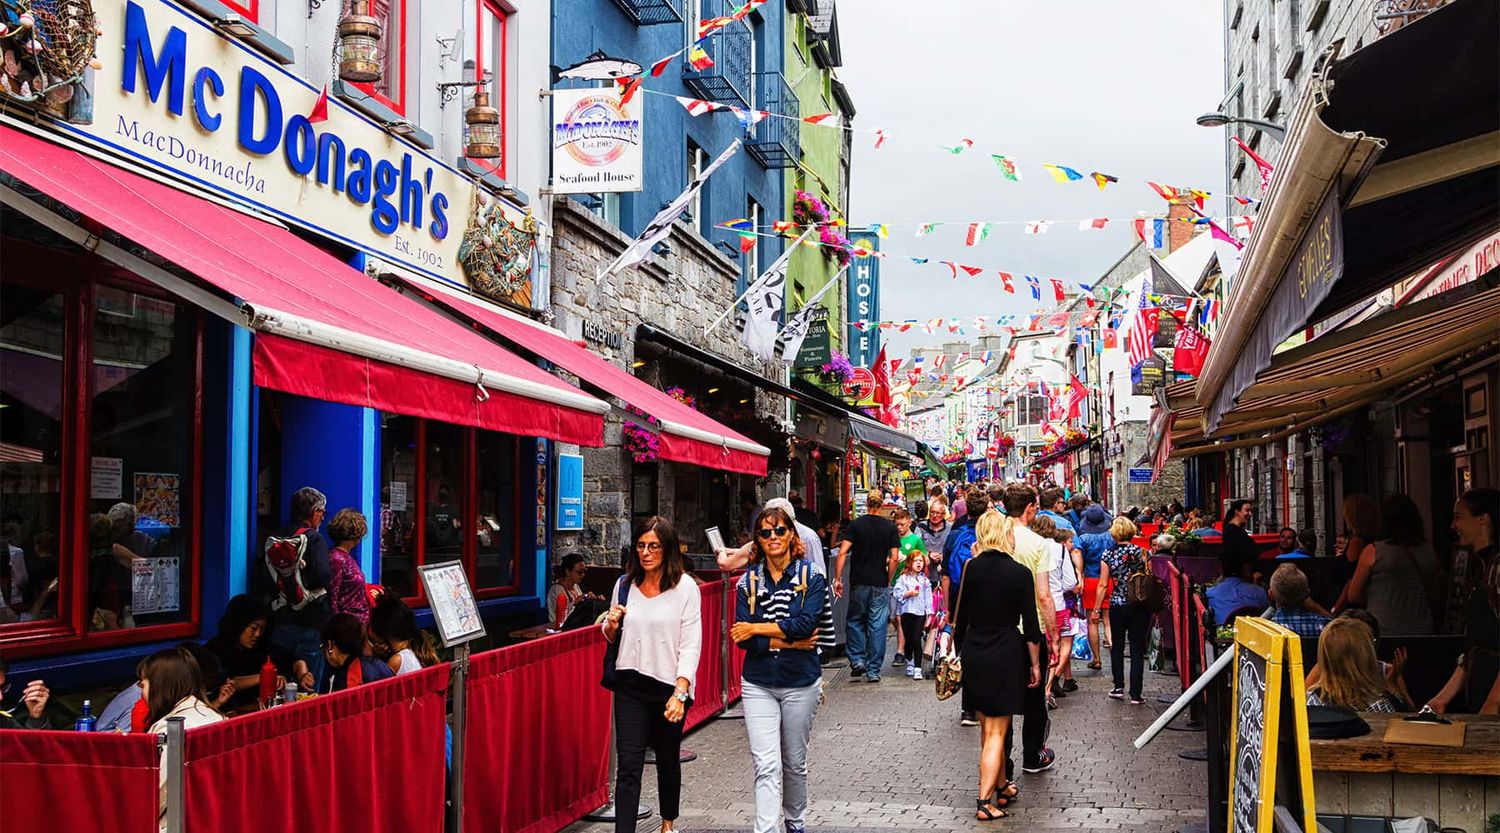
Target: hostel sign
176,95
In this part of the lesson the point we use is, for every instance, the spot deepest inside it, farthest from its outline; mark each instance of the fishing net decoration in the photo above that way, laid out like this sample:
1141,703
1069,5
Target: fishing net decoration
46,46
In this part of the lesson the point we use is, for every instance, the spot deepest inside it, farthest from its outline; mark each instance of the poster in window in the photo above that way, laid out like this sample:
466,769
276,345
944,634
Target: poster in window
106,478
398,496
452,602
158,498
154,586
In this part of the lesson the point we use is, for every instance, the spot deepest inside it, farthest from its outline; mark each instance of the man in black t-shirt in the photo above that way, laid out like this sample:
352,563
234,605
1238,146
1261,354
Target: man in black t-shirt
874,542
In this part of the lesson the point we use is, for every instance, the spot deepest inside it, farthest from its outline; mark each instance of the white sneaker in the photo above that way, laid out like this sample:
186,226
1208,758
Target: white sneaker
910,670
918,675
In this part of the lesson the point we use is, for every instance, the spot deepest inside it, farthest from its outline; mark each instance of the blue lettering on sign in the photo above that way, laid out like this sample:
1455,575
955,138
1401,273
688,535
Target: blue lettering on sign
263,128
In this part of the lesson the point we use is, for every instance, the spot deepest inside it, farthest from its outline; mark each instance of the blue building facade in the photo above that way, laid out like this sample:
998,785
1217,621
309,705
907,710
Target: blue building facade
748,63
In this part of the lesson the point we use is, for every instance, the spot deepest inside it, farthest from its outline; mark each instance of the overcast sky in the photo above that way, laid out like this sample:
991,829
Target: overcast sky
1100,85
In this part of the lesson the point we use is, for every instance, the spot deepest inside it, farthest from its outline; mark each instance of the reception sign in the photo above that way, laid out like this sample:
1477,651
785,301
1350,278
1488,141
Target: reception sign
174,94
597,142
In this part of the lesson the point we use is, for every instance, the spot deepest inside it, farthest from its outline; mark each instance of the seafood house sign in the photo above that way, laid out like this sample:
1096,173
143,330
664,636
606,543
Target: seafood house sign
175,94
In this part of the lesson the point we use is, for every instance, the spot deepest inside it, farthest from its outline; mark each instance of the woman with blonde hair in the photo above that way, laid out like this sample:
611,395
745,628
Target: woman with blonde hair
1350,673
998,638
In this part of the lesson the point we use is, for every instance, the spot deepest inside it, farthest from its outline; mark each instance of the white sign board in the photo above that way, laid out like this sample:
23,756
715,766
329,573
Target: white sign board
452,602
154,586
106,478
597,143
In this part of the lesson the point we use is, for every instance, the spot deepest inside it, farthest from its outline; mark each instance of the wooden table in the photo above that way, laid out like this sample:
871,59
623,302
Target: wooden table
1367,776
533,632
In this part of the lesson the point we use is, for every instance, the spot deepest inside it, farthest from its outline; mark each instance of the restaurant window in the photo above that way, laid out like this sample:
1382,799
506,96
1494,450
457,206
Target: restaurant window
99,421
390,89
491,48
697,160
247,9
448,493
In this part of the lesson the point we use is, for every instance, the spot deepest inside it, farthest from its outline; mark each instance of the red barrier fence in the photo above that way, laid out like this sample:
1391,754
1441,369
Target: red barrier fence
708,686
56,781
537,753
365,760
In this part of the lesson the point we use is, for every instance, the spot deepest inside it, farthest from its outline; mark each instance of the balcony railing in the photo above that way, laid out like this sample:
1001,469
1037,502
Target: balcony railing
652,12
728,80
776,142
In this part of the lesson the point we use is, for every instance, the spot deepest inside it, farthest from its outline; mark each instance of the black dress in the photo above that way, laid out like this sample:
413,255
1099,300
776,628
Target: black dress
996,603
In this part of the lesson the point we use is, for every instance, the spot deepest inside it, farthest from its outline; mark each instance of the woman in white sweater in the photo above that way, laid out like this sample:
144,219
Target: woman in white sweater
659,647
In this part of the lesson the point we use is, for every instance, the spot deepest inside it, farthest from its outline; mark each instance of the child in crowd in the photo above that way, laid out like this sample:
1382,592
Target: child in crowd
395,637
344,652
914,600
910,543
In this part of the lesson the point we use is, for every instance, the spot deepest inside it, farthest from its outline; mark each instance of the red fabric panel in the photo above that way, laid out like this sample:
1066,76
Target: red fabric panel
699,453
620,383
708,686
364,760
318,372
537,754
57,781
736,656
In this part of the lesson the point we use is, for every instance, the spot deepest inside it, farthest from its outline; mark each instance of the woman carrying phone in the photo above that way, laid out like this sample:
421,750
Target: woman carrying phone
778,603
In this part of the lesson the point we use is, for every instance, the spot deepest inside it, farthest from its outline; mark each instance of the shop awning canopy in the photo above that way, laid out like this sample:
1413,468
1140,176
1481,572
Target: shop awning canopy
324,330
870,431
1392,162
687,436
1344,371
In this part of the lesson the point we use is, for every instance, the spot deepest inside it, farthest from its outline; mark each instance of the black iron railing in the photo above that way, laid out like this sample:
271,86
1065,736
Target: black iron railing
776,142
652,12
728,80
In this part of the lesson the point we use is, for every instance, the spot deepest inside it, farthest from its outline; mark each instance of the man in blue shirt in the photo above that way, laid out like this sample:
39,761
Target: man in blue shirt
1289,590
1055,506
1235,590
1307,545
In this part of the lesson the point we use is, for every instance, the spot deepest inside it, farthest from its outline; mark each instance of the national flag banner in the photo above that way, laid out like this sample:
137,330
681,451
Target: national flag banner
1077,394
1036,287
1048,430
1151,231
896,365
319,111
661,66
1007,167
698,58
1093,223
1005,282
917,361
988,354
881,231
1166,192
1200,198
749,118
927,228
963,145
1218,233
1089,319
697,106
1143,326
919,260
1243,225
1038,226
879,138
1189,351
1265,168
939,360
661,225
1062,173
1102,180
1242,200
1208,312
1058,320
818,118
1033,323
977,232
972,270
953,267
1057,290
962,357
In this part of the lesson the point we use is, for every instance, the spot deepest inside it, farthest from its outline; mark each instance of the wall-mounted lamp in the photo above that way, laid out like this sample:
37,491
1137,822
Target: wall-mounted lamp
483,123
235,26
400,127
359,44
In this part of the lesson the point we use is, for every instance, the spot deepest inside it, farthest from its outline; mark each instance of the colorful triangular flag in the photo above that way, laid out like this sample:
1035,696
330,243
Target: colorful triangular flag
977,232
1038,226
963,145
320,107
1062,173
1102,180
1007,167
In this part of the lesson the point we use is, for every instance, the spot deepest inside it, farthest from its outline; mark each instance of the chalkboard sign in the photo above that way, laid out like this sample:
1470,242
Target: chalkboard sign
1268,767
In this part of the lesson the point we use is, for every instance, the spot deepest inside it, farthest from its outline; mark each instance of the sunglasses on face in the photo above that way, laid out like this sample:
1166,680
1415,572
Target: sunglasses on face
778,531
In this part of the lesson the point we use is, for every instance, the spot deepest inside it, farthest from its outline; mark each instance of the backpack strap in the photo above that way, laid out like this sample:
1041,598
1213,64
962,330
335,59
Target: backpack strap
622,590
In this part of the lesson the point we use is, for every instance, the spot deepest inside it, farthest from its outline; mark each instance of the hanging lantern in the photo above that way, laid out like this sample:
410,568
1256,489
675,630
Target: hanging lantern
359,44
484,127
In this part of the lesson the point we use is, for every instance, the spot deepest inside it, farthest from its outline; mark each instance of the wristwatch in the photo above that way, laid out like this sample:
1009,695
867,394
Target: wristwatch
681,696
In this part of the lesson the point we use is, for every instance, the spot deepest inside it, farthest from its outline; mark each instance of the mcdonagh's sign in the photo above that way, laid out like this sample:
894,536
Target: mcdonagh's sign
597,143
175,94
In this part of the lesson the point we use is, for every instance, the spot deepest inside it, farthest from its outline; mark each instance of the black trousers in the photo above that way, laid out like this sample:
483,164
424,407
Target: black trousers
639,725
912,625
1132,624
1036,724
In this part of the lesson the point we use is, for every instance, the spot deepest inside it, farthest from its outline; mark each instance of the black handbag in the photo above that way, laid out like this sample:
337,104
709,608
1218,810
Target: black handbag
611,677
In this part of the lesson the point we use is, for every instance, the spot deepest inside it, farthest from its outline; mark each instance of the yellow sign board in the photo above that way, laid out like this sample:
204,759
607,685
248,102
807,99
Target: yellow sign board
1265,767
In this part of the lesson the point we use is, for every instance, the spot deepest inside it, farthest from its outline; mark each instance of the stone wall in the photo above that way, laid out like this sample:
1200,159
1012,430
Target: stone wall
680,294
1128,442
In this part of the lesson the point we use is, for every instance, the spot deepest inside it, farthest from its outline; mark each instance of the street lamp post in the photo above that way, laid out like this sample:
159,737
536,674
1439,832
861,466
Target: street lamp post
1272,129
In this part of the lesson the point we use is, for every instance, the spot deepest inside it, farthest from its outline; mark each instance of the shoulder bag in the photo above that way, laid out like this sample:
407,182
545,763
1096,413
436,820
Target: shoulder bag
1143,588
949,675
611,677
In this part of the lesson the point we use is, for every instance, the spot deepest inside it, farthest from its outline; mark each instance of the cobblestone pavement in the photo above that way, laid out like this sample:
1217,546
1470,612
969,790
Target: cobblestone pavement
890,757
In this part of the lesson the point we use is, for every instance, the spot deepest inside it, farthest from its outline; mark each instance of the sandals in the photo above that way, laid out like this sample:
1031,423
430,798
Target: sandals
1010,793
984,810
1096,665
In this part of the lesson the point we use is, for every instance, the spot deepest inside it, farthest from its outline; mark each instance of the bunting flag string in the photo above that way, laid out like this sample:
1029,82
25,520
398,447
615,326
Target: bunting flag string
1243,223
1012,324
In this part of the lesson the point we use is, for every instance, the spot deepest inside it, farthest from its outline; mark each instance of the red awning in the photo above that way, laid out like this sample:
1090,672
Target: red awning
324,329
687,436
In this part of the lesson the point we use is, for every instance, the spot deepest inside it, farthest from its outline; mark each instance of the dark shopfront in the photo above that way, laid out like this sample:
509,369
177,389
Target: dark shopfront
170,374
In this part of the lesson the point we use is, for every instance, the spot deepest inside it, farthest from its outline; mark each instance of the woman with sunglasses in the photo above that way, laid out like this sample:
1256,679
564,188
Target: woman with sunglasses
655,668
778,604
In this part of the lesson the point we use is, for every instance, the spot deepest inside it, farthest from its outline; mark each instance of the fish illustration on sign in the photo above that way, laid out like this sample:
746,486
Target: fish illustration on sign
601,67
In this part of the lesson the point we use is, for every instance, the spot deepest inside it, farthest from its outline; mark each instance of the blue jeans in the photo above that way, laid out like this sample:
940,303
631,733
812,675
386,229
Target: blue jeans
778,722
869,614
302,643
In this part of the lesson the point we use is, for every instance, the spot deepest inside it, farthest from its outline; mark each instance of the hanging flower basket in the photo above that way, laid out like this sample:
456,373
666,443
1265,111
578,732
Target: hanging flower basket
1004,444
808,210
838,370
